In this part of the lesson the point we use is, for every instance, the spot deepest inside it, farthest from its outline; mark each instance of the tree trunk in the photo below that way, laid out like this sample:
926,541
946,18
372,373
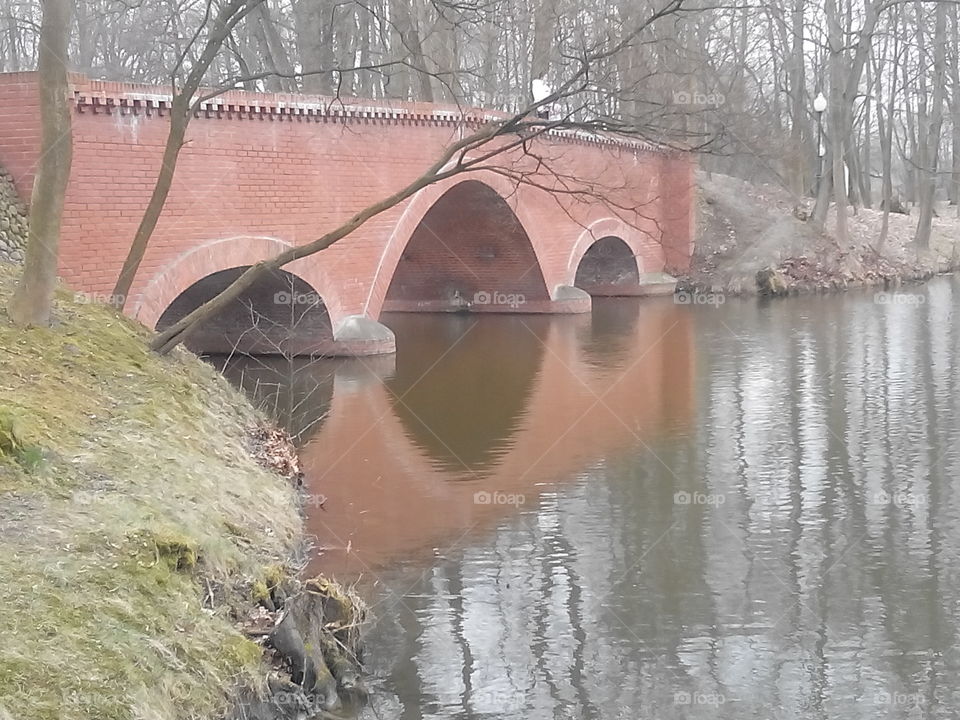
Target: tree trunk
798,127
866,159
448,55
411,47
312,19
274,55
544,25
836,118
885,128
928,192
32,301
955,109
822,205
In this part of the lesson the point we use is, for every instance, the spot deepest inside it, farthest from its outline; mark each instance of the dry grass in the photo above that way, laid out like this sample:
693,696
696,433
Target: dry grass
127,500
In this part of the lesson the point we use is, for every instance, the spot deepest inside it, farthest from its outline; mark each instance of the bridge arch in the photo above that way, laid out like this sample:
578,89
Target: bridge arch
293,310
471,244
607,267
610,256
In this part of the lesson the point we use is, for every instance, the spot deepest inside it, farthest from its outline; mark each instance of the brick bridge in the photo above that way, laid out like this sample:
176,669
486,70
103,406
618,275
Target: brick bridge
261,172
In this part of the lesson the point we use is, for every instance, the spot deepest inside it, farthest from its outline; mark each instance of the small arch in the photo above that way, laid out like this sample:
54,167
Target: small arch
279,314
468,252
643,241
191,266
607,267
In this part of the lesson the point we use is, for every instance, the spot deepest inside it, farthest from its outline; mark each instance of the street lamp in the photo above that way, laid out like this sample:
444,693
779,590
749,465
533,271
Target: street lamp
819,105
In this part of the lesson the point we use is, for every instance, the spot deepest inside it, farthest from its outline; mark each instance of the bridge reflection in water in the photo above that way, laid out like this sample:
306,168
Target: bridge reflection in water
508,404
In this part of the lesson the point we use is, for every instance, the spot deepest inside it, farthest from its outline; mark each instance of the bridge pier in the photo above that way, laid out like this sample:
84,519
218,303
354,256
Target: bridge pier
358,335
570,299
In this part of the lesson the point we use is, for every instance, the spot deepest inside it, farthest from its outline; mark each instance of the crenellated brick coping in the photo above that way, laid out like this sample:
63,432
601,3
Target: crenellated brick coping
103,96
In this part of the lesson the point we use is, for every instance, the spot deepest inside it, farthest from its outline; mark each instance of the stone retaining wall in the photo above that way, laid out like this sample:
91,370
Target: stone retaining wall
13,220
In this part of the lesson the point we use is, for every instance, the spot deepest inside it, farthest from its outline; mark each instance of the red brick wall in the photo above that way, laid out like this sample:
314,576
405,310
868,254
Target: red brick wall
260,172
20,128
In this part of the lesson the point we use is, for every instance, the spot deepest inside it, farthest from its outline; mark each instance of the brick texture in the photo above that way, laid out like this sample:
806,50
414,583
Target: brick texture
261,172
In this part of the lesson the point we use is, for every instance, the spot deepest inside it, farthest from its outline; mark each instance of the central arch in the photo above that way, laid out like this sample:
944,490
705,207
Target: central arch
468,252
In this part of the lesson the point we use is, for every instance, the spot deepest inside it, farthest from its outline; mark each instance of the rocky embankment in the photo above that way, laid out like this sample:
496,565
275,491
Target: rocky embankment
753,239
13,220
151,539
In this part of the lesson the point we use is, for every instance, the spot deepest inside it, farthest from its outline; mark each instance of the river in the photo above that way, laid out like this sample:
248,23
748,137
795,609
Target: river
724,510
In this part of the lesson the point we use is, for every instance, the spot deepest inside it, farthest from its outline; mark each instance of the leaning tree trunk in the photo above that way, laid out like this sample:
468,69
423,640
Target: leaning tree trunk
32,301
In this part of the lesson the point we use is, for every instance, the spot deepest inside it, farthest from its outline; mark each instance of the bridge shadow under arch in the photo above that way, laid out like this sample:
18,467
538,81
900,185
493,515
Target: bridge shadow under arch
280,314
608,267
469,252
465,416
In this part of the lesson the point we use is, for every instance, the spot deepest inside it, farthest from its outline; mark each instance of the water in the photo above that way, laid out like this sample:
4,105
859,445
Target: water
660,511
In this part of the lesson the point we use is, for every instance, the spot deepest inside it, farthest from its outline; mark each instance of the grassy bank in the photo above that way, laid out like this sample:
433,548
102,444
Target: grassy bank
135,524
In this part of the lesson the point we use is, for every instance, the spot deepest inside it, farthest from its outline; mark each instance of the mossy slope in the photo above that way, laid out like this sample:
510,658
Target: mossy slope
133,523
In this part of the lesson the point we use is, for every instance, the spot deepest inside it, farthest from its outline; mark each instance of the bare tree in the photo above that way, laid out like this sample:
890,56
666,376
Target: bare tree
33,299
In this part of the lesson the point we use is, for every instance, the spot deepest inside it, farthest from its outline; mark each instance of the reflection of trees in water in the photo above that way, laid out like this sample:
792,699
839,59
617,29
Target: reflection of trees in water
296,392
461,385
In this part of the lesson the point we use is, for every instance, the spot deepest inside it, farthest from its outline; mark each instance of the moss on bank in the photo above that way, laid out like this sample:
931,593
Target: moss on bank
134,523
